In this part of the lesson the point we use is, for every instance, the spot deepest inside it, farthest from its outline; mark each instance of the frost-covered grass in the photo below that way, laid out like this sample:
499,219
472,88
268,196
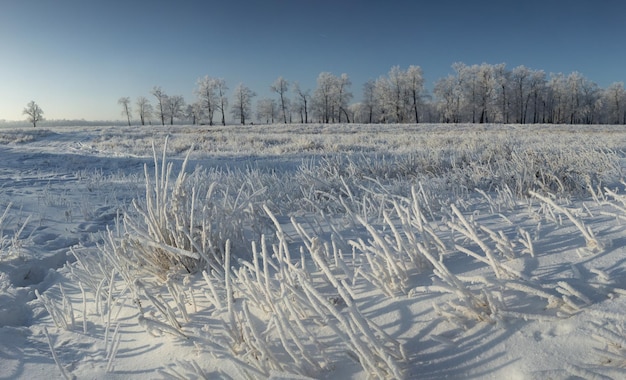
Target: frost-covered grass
376,252
21,136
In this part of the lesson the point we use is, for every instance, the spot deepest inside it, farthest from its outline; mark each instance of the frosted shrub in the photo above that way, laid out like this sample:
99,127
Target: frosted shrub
182,224
161,237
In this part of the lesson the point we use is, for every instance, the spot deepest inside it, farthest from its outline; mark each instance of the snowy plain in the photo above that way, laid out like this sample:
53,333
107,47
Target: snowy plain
313,251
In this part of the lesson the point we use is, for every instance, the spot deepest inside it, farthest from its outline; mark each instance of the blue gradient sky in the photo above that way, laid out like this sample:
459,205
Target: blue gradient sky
75,58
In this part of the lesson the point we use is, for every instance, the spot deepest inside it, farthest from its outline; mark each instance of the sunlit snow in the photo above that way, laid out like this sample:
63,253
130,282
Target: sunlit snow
313,251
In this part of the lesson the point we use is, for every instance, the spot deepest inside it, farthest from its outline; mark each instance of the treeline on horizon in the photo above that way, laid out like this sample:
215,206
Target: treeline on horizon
484,93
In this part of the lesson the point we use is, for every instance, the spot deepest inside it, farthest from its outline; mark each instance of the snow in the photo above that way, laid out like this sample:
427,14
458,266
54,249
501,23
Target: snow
553,299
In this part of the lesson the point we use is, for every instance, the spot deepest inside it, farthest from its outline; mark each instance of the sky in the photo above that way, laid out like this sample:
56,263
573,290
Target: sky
76,58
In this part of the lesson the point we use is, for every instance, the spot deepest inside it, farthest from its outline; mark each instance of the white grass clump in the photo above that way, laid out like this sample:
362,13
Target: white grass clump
11,239
592,243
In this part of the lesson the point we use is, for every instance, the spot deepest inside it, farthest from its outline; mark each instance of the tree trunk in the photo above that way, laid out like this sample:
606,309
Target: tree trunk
282,104
417,120
345,113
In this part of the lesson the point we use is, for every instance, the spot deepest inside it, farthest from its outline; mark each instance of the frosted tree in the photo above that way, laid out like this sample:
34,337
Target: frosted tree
281,86
452,96
478,86
555,98
266,110
591,102
221,88
331,97
193,112
575,91
175,106
302,102
396,89
520,80
242,103
502,79
126,109
33,112
444,92
468,80
572,99
323,97
485,88
359,112
384,99
578,98
615,100
537,91
343,96
162,101
398,95
369,100
415,88
207,96
144,109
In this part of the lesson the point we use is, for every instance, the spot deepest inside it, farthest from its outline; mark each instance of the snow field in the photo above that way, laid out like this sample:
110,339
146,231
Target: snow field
458,254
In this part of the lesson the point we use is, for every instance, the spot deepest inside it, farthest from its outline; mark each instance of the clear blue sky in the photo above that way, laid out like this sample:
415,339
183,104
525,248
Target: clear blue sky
75,58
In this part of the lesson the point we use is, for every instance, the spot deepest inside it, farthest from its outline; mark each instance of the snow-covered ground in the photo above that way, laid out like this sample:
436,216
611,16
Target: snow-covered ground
353,251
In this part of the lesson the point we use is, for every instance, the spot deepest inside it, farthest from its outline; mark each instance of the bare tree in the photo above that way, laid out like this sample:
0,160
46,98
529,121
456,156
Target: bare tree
193,112
266,110
144,109
221,88
537,89
521,88
161,102
34,113
485,88
399,94
343,96
415,88
207,96
451,99
369,100
502,82
281,86
615,99
125,103
175,106
397,89
242,102
303,100
324,96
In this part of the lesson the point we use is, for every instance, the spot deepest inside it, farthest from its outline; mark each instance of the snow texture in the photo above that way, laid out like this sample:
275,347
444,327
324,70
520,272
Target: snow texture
313,251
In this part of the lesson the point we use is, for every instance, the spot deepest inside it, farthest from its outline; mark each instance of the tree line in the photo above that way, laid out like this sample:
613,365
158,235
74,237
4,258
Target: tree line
484,93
